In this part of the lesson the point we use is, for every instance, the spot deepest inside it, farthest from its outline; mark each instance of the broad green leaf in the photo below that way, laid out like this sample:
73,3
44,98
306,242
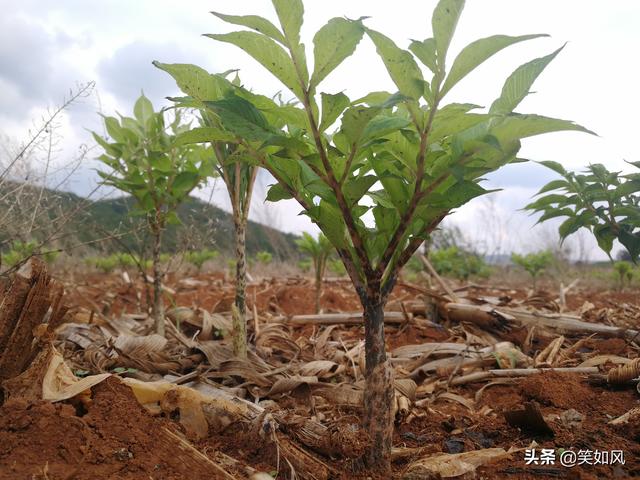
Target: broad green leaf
332,44
517,126
266,52
444,21
476,53
254,22
605,237
555,166
631,241
195,81
184,183
355,189
383,125
242,118
518,84
277,192
355,120
202,135
290,13
332,108
553,185
570,225
426,52
400,64
143,109
114,129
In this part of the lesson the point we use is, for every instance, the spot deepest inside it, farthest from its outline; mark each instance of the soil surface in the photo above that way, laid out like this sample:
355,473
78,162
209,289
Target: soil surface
114,437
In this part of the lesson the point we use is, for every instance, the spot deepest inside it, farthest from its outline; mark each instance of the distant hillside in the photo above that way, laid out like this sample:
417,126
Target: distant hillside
203,225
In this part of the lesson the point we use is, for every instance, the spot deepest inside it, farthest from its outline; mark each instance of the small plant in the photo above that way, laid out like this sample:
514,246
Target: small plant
21,251
534,263
146,162
319,250
104,264
336,266
305,265
264,258
606,203
199,257
623,272
458,263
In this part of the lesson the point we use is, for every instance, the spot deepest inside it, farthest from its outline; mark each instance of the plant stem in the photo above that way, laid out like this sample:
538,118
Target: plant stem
240,305
378,395
157,308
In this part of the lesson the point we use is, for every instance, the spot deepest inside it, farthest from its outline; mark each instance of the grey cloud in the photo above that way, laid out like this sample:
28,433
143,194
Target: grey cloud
129,71
30,64
526,175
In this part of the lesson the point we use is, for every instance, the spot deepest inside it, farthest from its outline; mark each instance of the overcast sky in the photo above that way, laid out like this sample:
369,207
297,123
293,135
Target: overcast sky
46,48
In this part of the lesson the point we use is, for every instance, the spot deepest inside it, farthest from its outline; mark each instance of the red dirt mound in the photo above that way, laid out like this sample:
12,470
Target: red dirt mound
116,439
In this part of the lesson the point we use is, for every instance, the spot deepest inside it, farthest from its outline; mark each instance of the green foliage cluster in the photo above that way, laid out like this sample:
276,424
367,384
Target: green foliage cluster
264,257
458,263
199,257
123,260
412,157
607,203
146,162
534,263
20,251
624,273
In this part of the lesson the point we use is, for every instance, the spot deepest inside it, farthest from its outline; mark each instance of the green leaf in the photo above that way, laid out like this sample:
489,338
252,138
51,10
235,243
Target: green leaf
242,118
400,64
519,82
355,120
332,44
384,125
143,109
195,81
631,242
356,188
203,135
604,236
254,22
476,53
555,166
517,126
266,52
290,13
444,21
553,185
332,107
570,225
184,183
278,192
114,129
426,52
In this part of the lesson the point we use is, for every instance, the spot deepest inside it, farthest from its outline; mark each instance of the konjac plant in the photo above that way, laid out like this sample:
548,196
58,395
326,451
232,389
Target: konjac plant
604,202
145,161
377,174
319,250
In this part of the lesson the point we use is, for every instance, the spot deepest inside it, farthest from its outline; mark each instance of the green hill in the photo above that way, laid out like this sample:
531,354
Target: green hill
107,226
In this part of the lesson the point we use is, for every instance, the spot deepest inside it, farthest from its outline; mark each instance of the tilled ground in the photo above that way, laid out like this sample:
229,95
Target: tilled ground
112,436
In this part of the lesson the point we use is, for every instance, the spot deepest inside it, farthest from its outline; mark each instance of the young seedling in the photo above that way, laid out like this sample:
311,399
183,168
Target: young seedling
319,250
458,263
404,159
624,273
264,258
145,162
199,257
229,158
534,263
606,203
